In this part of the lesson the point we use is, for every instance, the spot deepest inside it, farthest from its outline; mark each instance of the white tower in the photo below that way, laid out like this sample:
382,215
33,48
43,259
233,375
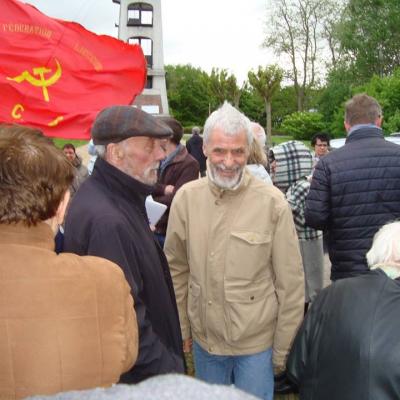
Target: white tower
140,22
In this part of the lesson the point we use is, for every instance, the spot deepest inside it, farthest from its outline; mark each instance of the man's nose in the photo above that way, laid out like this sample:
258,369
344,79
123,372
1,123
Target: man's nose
229,160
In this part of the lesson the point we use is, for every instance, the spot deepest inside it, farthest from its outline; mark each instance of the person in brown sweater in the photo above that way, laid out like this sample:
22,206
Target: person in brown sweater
66,322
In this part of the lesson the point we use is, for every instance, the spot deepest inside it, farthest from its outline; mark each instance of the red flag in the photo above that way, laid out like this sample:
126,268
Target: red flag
56,75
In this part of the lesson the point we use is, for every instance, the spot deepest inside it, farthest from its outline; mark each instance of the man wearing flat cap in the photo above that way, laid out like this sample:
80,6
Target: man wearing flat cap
107,218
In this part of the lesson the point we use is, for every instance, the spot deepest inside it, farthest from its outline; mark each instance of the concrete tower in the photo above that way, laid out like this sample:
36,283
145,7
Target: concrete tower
140,22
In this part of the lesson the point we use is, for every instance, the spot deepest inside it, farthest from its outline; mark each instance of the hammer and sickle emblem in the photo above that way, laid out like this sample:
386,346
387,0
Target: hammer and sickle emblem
42,81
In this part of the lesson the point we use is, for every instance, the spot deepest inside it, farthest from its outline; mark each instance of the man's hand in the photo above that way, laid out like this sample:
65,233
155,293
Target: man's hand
169,189
187,345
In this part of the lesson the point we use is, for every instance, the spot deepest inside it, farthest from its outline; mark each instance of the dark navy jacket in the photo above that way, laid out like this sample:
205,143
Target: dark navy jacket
348,346
194,146
107,218
354,191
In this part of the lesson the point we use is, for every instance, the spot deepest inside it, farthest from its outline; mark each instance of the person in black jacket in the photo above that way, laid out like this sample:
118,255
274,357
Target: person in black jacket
355,189
107,218
348,346
194,147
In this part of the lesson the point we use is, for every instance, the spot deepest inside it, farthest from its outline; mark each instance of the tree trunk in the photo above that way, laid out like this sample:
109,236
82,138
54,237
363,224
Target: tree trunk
300,98
269,123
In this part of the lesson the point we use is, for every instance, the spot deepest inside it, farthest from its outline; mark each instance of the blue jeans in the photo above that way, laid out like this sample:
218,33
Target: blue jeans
251,373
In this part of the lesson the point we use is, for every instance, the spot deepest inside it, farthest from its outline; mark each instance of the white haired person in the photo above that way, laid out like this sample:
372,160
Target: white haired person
348,346
235,264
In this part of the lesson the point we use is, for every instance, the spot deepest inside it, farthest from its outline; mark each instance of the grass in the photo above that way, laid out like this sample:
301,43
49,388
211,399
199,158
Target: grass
77,143
278,139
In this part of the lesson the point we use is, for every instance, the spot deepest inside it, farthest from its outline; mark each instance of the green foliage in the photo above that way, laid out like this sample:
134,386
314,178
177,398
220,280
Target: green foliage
369,34
252,105
266,81
336,127
303,125
393,124
224,87
188,94
387,91
337,90
284,103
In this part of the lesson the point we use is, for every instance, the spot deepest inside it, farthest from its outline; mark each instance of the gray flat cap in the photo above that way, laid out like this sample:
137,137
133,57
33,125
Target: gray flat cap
117,123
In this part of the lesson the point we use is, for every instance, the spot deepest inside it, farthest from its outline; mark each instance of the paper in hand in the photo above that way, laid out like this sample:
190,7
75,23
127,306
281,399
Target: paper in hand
154,209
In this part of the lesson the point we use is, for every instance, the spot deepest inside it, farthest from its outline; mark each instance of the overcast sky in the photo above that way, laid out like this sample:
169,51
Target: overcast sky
205,33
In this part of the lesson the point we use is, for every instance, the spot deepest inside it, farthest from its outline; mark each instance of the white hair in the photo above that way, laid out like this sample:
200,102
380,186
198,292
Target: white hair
101,150
258,133
196,129
386,245
230,120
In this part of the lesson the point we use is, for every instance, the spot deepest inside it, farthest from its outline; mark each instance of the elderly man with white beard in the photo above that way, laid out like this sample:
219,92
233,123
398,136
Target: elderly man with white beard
235,264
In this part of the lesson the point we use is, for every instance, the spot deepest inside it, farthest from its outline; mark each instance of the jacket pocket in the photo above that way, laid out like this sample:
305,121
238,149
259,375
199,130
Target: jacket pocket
248,255
252,311
195,308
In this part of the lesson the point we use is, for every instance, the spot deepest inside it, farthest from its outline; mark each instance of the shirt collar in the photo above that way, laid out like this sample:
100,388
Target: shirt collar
361,126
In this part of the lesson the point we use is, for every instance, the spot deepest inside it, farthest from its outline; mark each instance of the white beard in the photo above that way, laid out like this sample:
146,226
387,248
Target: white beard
225,182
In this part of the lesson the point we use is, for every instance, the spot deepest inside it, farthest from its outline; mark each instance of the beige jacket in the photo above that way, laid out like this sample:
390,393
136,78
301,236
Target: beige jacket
236,267
66,322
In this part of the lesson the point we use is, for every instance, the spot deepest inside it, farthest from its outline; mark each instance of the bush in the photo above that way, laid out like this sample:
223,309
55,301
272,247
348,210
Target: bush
393,124
303,125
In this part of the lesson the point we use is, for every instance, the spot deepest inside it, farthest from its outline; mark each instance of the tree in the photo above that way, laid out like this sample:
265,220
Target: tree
284,104
188,94
338,89
266,81
252,104
303,125
224,87
298,29
387,91
369,33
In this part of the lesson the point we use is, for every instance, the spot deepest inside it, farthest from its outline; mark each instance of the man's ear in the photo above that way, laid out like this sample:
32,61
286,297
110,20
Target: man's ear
347,126
378,122
205,150
62,208
114,153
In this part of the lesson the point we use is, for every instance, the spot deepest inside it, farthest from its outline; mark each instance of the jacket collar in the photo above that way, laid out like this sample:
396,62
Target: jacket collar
218,192
365,133
120,183
40,235
179,156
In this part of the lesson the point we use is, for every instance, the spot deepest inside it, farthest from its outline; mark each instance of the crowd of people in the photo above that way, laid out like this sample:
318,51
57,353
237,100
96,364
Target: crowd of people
233,272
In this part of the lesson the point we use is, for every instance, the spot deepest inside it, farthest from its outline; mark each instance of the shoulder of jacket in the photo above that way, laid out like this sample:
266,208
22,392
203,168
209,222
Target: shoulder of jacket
269,191
190,189
195,185
266,196
96,267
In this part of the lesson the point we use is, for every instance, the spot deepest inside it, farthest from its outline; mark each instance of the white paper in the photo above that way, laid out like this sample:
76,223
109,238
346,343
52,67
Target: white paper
154,209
